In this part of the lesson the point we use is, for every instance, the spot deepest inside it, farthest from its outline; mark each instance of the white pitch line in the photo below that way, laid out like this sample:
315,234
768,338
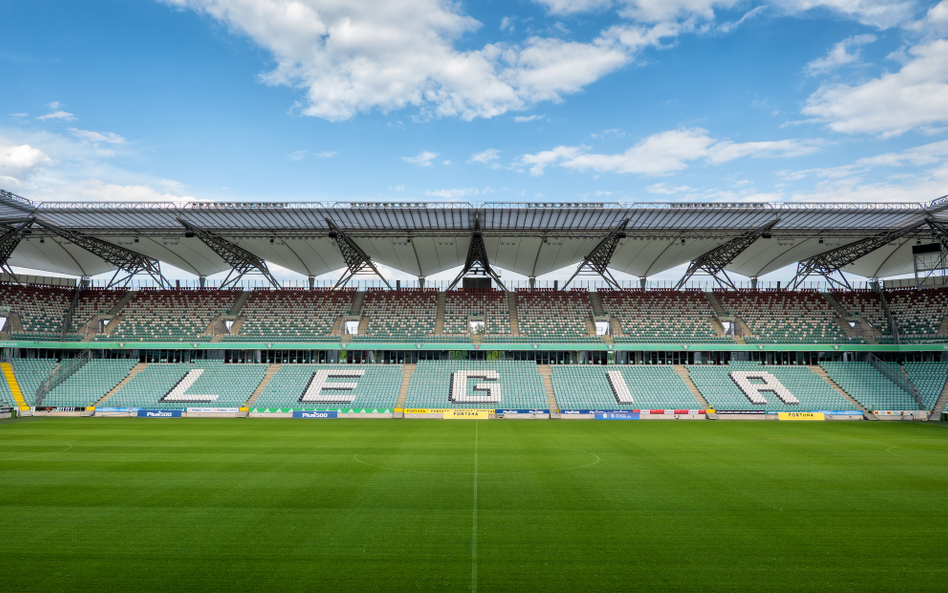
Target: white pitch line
474,530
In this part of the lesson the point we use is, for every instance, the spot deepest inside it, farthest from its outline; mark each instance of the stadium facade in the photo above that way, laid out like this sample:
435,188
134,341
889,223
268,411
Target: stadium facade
614,349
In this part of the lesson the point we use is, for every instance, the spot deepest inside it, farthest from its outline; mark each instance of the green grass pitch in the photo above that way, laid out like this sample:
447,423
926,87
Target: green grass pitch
373,505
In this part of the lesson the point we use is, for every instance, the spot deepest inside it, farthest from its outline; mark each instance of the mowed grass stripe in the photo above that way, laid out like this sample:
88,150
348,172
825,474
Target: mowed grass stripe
263,505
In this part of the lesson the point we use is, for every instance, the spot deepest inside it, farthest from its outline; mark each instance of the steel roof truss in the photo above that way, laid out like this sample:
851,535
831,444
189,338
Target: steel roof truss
715,261
357,260
598,260
239,259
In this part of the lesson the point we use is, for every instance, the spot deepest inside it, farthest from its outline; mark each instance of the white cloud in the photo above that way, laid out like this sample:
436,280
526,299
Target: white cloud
54,105
97,137
730,26
486,157
839,55
57,115
564,7
398,187
875,13
454,193
522,119
935,20
664,153
361,55
21,114
422,160
506,24
95,190
538,162
914,97
666,190
326,154
297,155
19,162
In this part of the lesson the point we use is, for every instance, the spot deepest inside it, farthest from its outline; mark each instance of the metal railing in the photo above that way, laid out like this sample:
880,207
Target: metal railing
897,377
67,368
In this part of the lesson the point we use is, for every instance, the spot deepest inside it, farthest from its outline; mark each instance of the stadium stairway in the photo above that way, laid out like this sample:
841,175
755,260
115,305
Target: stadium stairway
512,305
545,370
940,404
271,370
357,305
818,370
439,317
407,371
14,386
135,370
683,373
597,304
239,303
715,304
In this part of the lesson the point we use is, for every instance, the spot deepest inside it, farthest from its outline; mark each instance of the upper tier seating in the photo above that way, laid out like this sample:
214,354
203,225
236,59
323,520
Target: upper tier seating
929,378
406,314
553,315
376,389
865,303
172,315
652,387
42,309
868,386
92,302
521,386
292,315
784,316
918,312
661,315
30,372
232,383
87,385
489,305
722,393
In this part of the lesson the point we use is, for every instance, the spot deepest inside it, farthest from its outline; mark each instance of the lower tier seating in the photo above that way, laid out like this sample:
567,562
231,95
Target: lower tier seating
30,372
929,378
377,388
651,387
87,385
233,384
717,384
868,386
521,386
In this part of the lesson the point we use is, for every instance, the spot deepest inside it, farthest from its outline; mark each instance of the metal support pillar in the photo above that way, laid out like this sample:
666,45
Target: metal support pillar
312,282
598,260
15,230
239,259
643,282
477,262
715,261
357,260
421,281
202,280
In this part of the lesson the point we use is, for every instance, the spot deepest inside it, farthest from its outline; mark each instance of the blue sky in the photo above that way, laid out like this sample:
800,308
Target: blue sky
549,100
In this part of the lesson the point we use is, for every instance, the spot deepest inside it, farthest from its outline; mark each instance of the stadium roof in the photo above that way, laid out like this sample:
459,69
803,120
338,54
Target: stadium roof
426,238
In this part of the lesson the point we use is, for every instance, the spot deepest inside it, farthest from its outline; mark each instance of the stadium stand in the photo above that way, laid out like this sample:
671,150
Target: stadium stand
919,312
553,315
377,388
30,372
41,309
232,383
717,386
490,305
784,316
929,378
92,381
400,315
866,304
661,315
588,387
92,302
172,315
521,386
868,386
299,315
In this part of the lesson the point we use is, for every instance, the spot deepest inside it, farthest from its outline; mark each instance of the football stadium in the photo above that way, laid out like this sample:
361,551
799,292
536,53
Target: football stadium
267,437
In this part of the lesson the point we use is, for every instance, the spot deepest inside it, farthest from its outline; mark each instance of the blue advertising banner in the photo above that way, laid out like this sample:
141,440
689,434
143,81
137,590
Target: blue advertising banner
160,413
117,409
499,411
617,416
314,414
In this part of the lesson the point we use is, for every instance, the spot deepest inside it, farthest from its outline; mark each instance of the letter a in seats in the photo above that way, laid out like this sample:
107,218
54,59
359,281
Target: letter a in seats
619,388
753,391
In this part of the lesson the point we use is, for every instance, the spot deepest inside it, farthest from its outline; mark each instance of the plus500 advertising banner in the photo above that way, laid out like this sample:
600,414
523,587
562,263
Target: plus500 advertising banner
315,415
159,413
